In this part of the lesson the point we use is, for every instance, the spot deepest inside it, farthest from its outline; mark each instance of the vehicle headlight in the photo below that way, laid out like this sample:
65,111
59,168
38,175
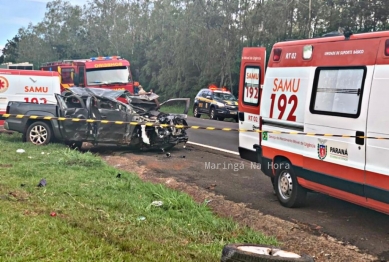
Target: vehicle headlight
221,105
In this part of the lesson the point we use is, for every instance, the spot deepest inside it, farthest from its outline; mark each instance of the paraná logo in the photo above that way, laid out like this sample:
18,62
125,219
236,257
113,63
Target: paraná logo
3,84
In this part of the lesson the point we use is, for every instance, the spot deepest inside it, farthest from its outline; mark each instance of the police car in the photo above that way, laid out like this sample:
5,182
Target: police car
217,103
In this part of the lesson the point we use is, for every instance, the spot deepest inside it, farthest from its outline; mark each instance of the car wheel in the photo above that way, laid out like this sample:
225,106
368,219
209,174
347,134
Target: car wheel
288,190
212,114
39,133
258,253
221,118
196,112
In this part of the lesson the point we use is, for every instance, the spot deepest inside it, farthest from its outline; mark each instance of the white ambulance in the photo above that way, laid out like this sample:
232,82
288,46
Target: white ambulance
31,86
335,90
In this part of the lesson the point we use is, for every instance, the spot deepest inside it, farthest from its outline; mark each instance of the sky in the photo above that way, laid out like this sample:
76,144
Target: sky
19,13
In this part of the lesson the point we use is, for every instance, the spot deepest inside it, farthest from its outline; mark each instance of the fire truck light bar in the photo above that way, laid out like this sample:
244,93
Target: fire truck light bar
105,58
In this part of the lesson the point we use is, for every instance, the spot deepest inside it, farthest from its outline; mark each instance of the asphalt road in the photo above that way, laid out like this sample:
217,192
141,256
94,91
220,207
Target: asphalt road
228,140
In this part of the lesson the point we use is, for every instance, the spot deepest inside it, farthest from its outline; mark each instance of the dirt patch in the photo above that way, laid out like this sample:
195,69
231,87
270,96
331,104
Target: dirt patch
295,237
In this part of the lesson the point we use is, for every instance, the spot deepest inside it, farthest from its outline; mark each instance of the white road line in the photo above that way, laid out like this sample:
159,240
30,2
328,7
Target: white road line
214,148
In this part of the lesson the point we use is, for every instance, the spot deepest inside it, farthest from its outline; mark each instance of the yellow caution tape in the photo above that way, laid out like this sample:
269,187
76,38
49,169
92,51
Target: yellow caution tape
3,116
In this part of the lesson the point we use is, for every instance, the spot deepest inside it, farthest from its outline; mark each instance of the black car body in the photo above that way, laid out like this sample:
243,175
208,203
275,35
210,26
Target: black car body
216,103
102,105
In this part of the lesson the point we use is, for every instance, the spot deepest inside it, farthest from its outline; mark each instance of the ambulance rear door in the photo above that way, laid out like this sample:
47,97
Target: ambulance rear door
252,73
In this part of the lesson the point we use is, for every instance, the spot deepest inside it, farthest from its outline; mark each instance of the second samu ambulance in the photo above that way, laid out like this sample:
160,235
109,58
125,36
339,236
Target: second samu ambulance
336,85
31,86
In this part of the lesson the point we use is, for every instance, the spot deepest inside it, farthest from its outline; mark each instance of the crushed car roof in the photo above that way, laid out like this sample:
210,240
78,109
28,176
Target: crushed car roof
108,93
97,91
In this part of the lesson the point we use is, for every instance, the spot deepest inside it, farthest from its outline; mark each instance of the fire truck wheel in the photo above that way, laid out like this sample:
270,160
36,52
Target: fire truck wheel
212,114
39,133
254,253
289,192
196,112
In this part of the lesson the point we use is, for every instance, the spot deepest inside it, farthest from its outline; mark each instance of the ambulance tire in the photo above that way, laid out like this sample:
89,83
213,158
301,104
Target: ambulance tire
234,253
289,192
44,127
195,112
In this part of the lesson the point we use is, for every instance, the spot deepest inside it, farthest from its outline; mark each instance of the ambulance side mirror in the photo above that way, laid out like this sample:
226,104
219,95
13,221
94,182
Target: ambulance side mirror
209,97
76,79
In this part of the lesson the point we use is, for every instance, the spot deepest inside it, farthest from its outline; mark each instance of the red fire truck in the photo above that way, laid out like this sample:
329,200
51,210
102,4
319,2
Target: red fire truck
111,72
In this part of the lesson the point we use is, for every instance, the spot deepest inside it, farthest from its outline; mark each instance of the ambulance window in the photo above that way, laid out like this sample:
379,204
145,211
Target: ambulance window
251,85
338,91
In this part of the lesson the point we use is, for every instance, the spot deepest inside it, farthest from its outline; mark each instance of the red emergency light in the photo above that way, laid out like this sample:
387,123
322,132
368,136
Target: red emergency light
277,54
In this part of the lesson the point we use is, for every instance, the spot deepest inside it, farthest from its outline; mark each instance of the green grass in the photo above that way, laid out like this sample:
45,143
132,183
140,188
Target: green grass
98,214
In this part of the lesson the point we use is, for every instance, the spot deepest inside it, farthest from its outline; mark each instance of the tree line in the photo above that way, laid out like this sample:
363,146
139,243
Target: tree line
177,47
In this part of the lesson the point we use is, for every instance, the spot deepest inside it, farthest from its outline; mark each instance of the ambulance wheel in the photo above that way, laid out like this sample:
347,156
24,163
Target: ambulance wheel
289,192
39,133
196,112
212,114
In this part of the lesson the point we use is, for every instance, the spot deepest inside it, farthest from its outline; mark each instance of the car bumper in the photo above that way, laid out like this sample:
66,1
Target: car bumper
227,113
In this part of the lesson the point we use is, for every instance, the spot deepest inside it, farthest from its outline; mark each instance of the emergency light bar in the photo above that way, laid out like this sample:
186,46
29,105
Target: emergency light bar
224,89
105,58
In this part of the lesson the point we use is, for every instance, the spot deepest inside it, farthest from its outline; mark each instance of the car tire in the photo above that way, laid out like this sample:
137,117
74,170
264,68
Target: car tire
258,253
212,114
195,112
221,118
39,133
289,192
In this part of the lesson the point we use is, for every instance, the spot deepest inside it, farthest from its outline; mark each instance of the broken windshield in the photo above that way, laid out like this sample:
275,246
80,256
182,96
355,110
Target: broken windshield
109,75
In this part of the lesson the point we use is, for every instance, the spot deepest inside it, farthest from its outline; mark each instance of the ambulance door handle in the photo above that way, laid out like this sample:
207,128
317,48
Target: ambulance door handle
358,139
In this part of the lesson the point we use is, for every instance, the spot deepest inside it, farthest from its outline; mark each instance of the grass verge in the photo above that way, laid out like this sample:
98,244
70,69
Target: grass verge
99,216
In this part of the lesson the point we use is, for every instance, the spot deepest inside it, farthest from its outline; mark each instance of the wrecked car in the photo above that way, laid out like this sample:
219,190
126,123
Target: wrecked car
133,124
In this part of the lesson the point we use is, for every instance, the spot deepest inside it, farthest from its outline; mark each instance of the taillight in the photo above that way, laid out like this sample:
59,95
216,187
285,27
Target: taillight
387,47
277,54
